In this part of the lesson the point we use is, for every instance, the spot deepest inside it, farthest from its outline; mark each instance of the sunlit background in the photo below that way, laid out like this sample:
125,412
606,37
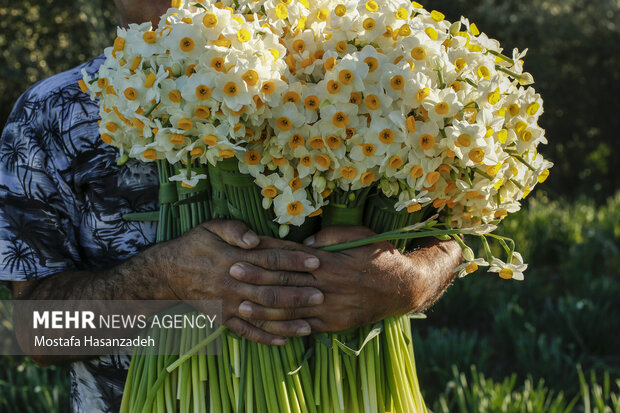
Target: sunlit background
488,345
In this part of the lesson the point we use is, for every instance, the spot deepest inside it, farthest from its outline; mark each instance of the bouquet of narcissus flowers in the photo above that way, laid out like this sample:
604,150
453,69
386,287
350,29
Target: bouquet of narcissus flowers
292,114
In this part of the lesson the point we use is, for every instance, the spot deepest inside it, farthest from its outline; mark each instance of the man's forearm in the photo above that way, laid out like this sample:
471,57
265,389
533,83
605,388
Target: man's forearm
435,261
133,279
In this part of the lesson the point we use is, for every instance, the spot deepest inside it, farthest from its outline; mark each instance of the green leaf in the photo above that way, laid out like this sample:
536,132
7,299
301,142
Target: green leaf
374,332
142,216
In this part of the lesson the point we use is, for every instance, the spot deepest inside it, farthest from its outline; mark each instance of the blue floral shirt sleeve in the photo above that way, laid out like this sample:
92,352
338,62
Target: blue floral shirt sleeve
36,208
62,199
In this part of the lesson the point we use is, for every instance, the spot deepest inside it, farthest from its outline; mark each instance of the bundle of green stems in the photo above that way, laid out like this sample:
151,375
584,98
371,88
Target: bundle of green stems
369,369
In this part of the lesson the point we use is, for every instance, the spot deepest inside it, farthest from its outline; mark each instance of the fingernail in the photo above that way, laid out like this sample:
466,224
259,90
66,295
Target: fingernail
316,298
237,271
250,238
278,342
312,263
245,309
309,241
303,331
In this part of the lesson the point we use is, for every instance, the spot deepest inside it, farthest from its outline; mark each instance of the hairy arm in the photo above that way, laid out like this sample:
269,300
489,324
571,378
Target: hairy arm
193,267
432,262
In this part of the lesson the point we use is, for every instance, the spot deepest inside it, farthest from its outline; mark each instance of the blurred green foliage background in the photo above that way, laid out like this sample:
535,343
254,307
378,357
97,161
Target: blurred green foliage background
488,345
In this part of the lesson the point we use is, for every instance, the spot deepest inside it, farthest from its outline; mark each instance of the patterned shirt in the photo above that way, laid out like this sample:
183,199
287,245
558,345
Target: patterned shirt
62,196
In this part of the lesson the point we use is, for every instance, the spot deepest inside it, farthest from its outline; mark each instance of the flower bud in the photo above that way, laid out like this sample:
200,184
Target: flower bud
455,28
176,69
384,184
526,79
267,203
468,254
319,183
283,230
122,160
331,185
394,185
351,196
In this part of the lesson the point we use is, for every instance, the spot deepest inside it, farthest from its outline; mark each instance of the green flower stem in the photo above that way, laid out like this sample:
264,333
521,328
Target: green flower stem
226,361
196,348
323,377
196,385
351,380
486,175
523,161
333,390
128,385
222,382
370,368
487,249
305,402
471,83
286,400
368,408
151,109
215,400
518,185
258,380
337,372
501,56
387,236
317,375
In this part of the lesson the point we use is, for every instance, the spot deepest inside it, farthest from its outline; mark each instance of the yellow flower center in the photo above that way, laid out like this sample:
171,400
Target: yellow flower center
372,102
295,183
323,160
252,157
395,162
174,96
410,123
210,140
472,267
386,136
244,36
476,155
506,273
348,172
296,141
231,89
131,93
463,140
442,108
397,82
333,142
268,87
295,208
311,102
372,63
333,87
203,92
187,44
270,191
316,142
210,20
426,141
283,123
340,120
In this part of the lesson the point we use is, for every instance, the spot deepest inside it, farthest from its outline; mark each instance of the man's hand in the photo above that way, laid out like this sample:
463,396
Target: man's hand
199,265
361,285
195,266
